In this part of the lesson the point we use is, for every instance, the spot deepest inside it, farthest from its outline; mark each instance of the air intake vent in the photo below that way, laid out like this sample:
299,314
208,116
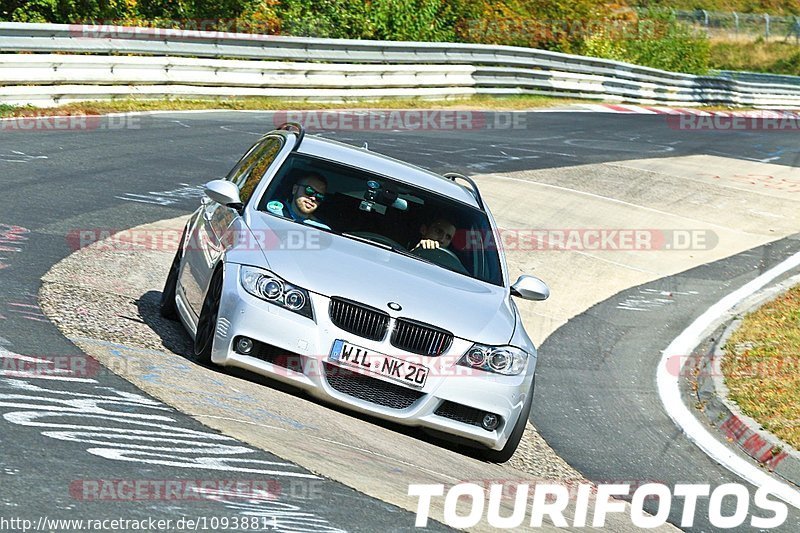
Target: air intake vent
370,389
460,413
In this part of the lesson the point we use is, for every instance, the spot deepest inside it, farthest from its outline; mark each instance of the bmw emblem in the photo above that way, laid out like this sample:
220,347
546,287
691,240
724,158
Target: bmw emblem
394,306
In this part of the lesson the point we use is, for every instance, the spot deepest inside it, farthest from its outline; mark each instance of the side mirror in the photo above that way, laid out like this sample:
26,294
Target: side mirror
530,288
225,193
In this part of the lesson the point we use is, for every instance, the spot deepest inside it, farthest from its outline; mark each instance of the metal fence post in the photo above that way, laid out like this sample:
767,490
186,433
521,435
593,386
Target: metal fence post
766,20
796,29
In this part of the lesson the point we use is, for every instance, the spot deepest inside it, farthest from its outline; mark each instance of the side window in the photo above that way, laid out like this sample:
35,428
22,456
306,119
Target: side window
252,168
243,164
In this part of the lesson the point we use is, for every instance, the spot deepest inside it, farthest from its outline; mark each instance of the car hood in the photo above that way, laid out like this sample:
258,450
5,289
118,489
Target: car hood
332,265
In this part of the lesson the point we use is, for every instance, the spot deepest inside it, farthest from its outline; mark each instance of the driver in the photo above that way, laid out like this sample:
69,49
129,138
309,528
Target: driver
437,234
308,193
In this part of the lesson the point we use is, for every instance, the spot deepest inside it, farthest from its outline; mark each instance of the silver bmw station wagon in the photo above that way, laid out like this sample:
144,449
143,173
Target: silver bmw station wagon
371,283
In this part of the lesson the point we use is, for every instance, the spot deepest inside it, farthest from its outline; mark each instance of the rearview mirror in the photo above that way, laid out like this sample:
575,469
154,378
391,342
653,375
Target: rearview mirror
225,193
530,288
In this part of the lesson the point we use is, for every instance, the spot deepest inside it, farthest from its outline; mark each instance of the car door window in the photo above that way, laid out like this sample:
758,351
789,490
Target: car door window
254,165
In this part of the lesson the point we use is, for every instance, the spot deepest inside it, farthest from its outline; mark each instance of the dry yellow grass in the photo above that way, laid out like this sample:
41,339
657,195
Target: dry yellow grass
762,366
484,103
775,57
274,104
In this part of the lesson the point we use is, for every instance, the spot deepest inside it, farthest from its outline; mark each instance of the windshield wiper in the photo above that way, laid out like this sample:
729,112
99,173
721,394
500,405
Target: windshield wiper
385,246
368,241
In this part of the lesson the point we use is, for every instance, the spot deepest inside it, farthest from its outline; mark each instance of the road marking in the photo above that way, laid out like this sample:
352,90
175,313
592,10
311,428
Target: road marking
20,157
669,389
648,299
184,192
613,200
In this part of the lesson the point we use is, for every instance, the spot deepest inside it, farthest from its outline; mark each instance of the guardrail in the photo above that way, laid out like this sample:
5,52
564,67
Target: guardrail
64,63
759,77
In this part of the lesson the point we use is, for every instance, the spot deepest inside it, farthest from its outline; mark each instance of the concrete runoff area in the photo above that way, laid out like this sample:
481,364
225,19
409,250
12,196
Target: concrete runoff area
106,302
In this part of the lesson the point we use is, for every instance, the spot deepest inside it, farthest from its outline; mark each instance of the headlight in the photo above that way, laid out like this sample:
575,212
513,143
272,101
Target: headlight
267,286
506,360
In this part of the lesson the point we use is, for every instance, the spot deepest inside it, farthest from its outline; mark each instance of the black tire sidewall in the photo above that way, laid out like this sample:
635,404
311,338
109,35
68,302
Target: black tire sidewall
204,353
167,306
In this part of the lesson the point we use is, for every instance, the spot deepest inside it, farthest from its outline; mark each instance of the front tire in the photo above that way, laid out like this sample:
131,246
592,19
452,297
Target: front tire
207,323
501,456
167,307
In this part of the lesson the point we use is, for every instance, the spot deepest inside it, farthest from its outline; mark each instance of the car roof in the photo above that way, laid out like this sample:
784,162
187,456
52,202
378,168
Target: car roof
386,166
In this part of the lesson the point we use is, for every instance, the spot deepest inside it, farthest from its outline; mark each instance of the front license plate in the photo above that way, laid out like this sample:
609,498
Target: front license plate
405,372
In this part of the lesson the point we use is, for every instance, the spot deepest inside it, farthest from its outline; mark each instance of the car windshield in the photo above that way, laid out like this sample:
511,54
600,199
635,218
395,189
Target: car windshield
384,212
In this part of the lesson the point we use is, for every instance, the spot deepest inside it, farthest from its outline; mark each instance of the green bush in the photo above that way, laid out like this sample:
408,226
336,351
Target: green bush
559,25
658,40
413,20
668,44
324,18
787,65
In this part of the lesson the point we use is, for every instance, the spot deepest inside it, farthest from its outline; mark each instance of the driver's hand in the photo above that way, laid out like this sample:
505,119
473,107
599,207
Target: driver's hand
427,244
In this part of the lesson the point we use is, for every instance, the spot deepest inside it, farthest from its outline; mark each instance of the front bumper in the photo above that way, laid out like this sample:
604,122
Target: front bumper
449,402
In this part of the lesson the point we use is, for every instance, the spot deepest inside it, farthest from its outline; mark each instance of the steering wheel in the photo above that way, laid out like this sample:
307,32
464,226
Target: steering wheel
451,253
442,257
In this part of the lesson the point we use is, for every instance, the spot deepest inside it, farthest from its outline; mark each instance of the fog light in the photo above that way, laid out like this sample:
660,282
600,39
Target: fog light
490,422
244,345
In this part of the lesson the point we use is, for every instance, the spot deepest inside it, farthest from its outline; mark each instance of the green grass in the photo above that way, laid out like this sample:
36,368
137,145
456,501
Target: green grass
762,366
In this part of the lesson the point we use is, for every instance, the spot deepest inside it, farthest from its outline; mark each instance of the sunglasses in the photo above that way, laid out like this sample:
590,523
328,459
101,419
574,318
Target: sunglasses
311,192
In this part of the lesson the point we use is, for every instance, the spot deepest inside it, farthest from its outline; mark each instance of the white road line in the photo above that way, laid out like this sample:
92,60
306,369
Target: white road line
698,178
669,390
614,200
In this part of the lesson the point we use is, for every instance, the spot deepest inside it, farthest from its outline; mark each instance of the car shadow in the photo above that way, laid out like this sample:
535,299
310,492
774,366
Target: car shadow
176,339
171,332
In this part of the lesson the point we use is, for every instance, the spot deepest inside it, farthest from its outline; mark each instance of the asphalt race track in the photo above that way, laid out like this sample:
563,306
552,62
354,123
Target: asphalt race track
596,403
607,417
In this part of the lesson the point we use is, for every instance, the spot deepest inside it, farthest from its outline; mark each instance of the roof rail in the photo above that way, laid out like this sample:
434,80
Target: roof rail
301,132
453,176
